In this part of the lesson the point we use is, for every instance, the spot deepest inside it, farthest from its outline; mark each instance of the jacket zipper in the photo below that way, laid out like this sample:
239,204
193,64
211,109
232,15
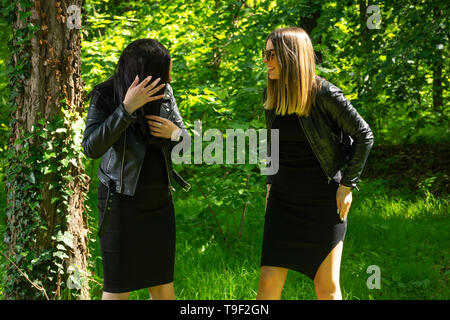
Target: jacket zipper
123,160
304,131
168,117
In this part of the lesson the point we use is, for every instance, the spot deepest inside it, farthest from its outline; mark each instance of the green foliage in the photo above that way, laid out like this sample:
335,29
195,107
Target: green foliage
46,153
215,45
388,72
5,69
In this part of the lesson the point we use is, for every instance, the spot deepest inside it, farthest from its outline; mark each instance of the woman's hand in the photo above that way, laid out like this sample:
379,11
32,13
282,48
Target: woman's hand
343,201
161,127
268,191
139,94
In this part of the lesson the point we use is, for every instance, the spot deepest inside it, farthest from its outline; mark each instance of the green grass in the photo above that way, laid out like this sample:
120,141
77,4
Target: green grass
406,234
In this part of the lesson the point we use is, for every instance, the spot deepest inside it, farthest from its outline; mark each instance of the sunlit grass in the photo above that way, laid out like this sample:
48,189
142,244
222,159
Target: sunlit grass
405,234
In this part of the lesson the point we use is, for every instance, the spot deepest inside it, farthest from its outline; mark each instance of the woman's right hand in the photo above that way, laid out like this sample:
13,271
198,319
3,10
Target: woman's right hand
268,191
138,94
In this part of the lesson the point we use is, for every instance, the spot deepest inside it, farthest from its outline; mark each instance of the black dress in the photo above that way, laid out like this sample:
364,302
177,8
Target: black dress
138,248
301,222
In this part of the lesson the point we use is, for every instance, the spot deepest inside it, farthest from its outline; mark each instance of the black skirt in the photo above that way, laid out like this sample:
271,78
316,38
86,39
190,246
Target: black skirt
138,247
301,222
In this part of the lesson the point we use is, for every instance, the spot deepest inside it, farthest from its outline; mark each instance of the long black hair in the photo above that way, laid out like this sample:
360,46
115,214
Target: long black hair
142,57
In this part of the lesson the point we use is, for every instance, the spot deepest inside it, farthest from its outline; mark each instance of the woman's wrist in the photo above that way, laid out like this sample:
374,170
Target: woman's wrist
176,134
128,108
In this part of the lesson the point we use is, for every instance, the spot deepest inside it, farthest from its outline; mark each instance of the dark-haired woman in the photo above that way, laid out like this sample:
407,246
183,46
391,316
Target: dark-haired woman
308,199
133,123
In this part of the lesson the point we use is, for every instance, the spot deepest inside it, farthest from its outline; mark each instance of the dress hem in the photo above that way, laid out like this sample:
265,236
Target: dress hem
137,287
298,269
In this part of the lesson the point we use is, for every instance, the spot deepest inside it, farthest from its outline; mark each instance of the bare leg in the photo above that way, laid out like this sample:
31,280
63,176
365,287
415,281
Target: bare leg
271,283
162,292
115,296
326,281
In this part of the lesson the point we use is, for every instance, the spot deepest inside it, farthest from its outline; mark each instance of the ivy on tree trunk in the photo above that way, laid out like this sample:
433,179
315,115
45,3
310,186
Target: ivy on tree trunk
47,232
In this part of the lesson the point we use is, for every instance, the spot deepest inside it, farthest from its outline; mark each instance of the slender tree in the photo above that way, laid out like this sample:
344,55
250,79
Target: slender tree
437,65
308,21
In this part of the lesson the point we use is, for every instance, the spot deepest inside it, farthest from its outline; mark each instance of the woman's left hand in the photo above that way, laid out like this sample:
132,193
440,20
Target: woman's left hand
343,201
160,127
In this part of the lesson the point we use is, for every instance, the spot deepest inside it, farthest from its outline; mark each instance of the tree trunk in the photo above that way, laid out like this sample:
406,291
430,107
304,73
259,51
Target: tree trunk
308,23
437,68
437,86
363,31
51,89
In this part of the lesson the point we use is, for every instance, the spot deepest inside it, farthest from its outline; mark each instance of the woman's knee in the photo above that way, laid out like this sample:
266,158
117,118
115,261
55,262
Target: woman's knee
162,292
326,286
327,276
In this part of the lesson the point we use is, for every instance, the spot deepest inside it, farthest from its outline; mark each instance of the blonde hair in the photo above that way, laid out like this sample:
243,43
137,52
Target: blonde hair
296,88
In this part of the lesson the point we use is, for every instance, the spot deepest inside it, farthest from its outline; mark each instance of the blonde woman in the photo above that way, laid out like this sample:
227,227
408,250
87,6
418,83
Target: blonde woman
308,199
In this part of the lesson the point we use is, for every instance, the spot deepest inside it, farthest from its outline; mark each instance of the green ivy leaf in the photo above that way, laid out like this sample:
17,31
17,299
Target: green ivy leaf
60,247
31,178
66,238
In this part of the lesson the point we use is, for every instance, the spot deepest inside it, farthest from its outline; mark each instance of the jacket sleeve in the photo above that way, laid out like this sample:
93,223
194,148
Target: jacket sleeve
102,132
347,118
178,120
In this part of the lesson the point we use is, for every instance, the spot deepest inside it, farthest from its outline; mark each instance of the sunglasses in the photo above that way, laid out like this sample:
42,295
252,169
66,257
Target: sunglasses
268,54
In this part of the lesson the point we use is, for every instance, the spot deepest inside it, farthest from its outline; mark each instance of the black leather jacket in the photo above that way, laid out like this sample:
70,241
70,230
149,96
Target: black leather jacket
337,134
122,151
